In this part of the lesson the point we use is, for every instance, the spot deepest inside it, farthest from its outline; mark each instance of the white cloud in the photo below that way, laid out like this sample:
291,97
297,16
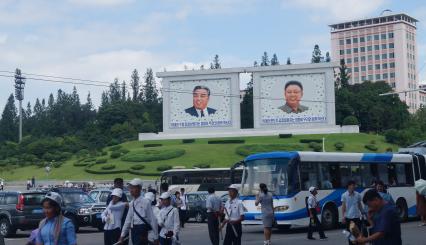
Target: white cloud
3,38
100,3
332,10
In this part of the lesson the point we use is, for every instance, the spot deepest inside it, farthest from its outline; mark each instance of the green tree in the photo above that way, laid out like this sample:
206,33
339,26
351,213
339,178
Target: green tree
265,59
150,88
8,121
288,61
216,63
135,85
274,60
343,76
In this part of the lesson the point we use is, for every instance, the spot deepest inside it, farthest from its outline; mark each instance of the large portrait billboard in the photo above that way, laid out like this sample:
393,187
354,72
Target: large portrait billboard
200,103
293,99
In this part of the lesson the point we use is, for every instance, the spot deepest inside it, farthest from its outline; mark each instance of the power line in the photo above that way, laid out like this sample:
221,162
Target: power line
59,81
59,77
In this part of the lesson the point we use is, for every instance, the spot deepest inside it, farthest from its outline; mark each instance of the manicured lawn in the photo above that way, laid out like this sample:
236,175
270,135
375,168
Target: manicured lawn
199,152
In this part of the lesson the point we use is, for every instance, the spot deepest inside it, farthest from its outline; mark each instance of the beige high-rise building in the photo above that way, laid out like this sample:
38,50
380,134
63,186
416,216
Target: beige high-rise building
382,48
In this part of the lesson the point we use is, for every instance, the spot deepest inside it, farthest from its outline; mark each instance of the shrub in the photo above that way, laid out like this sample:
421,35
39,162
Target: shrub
202,165
104,153
164,168
149,155
137,167
307,141
115,154
317,147
152,145
373,142
115,148
101,160
371,147
285,135
83,152
350,120
188,141
124,151
108,167
90,159
389,149
232,141
246,150
392,136
80,164
56,164
339,146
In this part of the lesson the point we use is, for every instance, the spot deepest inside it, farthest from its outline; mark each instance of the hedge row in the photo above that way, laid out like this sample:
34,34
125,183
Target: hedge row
339,146
188,141
246,150
233,141
315,146
80,164
201,165
115,171
285,135
164,168
137,167
371,147
152,145
149,155
307,141
108,167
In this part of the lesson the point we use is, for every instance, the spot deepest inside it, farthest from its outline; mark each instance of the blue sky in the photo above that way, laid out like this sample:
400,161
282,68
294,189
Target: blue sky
104,39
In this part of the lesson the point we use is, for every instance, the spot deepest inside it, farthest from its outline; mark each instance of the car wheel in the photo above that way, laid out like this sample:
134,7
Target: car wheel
199,217
329,217
6,228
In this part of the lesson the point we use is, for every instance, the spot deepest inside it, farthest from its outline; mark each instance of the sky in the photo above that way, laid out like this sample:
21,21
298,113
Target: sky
106,39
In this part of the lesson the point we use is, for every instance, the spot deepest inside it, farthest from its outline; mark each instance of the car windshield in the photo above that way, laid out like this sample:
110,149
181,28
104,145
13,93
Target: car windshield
76,197
279,174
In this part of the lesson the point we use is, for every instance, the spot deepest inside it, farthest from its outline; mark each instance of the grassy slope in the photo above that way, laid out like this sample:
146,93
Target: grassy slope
198,152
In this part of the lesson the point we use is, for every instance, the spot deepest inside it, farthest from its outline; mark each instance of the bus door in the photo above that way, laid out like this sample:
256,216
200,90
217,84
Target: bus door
416,167
422,166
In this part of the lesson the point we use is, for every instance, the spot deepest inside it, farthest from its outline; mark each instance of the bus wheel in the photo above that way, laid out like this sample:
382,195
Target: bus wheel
329,217
401,206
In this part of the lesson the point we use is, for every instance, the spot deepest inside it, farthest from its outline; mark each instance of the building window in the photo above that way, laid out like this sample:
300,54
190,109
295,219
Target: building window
341,41
384,46
393,85
348,41
390,34
391,55
362,58
363,78
370,57
376,37
385,76
391,45
377,67
369,38
377,57
348,51
383,36
362,68
349,70
370,48
370,77
385,66
362,49
356,59
362,39
355,50
348,61
376,47
384,56
392,65
356,69
355,40
342,52
370,67
392,74
377,76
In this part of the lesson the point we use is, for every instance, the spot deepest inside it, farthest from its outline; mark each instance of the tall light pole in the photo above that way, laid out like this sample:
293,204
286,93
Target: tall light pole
19,94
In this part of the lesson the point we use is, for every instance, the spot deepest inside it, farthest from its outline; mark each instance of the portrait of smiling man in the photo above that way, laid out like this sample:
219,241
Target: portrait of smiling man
200,100
293,93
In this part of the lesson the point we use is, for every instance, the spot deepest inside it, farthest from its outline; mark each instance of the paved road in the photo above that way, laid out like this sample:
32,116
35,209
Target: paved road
193,234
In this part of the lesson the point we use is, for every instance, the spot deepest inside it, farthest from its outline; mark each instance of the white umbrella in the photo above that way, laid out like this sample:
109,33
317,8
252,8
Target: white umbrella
420,186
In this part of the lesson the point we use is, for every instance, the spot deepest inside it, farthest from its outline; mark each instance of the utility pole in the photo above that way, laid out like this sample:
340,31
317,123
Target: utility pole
19,94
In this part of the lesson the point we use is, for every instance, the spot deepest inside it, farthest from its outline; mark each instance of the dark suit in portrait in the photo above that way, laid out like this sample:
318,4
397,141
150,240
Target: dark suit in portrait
193,112
287,109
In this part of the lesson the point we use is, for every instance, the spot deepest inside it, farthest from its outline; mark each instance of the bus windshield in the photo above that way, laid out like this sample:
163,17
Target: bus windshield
279,174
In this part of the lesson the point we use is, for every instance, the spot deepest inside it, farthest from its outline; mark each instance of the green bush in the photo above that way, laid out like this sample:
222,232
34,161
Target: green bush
124,151
104,153
231,141
373,142
108,167
371,147
164,168
389,149
90,159
101,160
149,155
188,141
307,141
201,165
142,173
339,146
152,145
350,120
317,147
246,150
57,164
115,154
80,164
115,148
113,171
137,167
285,135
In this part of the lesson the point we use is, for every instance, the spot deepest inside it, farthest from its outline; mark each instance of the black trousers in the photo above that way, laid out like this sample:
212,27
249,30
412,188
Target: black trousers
357,222
111,236
230,238
315,225
165,241
182,217
139,235
213,225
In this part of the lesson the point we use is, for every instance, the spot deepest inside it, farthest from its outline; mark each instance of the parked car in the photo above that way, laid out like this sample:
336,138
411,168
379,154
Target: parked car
196,206
20,210
81,208
101,195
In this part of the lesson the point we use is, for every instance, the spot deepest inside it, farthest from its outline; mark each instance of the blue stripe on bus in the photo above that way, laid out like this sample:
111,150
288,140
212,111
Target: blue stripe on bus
412,211
377,157
277,154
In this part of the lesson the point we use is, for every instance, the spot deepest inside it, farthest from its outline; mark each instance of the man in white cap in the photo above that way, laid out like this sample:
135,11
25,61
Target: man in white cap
234,215
140,218
168,220
112,216
314,223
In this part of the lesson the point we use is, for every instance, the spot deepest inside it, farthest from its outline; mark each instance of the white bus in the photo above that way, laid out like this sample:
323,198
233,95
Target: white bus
201,179
288,176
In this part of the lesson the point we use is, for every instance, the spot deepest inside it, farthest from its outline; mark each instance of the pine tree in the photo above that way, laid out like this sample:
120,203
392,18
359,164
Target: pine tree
316,55
288,61
211,66
342,80
123,91
135,85
38,108
255,64
28,112
265,59
8,121
75,97
201,67
274,60
327,57
216,63
104,99
114,91
89,103
150,88
50,102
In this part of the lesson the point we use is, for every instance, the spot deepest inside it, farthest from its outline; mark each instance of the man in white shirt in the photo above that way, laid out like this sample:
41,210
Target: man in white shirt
234,215
351,206
168,220
314,223
140,217
182,213
214,207
112,216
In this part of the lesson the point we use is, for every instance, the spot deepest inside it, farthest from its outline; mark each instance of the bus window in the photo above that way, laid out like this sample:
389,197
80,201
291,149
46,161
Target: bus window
309,175
345,174
382,170
325,176
393,178
367,176
409,180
